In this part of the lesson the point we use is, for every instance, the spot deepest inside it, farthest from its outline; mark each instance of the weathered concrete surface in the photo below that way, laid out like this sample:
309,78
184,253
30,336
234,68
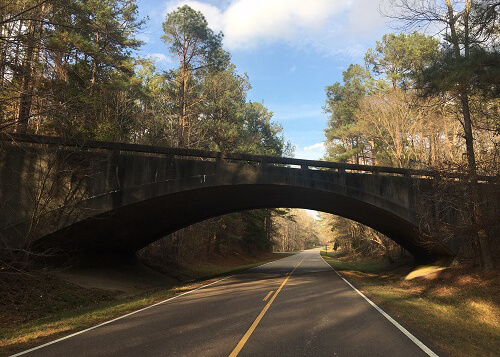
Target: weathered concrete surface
107,201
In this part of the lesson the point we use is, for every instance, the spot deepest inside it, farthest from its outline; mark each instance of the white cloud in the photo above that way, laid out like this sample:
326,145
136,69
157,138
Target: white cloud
356,50
214,16
364,16
159,57
317,146
320,24
249,23
311,152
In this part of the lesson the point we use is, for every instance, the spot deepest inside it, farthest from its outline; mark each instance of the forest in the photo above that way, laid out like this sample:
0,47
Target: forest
419,100
425,102
70,69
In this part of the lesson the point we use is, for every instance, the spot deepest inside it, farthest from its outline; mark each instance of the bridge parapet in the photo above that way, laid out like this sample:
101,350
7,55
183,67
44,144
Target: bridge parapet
89,145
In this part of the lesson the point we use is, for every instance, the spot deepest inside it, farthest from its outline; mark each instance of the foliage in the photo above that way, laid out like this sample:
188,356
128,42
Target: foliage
199,53
69,68
343,140
295,230
356,239
398,57
424,104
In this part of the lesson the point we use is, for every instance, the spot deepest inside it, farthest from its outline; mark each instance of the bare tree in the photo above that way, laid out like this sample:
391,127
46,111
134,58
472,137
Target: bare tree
44,190
464,32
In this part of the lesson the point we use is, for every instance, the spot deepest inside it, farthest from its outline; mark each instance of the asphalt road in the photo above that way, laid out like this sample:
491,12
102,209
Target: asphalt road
297,306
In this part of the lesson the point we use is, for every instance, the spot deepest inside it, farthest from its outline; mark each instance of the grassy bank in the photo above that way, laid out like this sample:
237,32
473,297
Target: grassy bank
360,264
37,308
456,309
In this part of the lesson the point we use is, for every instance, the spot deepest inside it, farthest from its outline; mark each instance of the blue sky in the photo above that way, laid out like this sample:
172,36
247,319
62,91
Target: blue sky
290,49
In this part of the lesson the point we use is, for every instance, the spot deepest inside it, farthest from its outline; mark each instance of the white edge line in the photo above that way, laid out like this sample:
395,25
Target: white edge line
407,333
133,312
116,319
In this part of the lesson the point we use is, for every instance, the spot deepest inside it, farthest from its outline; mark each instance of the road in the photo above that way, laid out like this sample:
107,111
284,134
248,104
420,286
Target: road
296,306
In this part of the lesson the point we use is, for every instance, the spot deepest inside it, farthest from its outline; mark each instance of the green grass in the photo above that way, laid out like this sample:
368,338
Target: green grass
456,310
337,261
54,308
331,253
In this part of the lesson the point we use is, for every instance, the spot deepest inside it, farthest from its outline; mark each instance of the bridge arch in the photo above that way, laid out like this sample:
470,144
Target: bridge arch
136,194
133,226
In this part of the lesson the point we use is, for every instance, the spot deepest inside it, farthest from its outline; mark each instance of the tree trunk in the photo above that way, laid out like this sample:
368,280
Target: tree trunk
474,194
94,68
26,98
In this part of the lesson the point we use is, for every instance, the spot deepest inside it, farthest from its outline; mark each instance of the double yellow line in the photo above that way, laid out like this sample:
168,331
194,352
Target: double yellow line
247,335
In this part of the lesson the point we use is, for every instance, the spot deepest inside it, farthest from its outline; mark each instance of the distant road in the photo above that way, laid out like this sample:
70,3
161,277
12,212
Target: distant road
297,306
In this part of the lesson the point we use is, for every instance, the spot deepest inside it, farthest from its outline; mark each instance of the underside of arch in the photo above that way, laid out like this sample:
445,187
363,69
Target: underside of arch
131,227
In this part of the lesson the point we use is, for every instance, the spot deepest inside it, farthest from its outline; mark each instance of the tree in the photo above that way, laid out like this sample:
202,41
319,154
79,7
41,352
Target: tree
224,97
466,29
399,56
21,33
96,39
32,36
469,30
155,123
343,141
357,239
259,135
295,230
198,50
65,64
390,121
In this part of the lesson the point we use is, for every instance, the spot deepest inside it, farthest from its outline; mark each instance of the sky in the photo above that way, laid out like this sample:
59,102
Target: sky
290,49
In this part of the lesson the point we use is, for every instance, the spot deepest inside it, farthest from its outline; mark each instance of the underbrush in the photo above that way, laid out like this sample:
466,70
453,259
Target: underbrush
343,261
31,296
198,266
198,269
456,309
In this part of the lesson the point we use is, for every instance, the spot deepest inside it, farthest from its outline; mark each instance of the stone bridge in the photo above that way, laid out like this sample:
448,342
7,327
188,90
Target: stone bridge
94,197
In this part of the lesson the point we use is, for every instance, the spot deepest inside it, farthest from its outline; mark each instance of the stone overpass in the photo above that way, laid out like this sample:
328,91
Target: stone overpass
94,197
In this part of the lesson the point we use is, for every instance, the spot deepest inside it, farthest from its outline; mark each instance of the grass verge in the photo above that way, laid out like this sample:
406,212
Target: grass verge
364,265
38,308
457,310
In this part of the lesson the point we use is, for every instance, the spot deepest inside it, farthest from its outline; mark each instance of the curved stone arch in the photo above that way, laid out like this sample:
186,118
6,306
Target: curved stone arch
133,225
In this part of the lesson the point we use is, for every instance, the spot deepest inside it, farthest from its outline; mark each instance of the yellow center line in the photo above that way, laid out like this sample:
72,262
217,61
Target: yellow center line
247,335
267,296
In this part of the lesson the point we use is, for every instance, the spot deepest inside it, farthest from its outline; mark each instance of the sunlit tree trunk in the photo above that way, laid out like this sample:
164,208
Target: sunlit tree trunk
477,214
33,44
